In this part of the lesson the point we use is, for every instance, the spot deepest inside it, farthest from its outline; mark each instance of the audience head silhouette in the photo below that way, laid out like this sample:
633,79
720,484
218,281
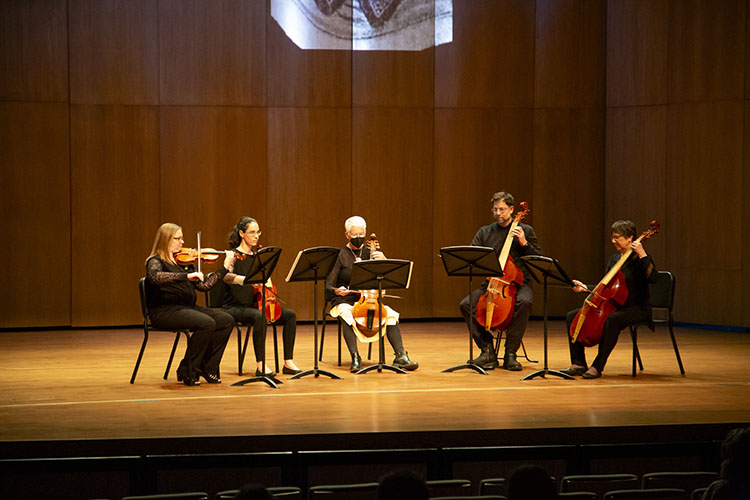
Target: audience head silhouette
530,482
253,491
402,484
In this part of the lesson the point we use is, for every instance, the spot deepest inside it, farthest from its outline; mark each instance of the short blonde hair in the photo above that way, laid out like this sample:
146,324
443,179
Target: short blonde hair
164,235
355,220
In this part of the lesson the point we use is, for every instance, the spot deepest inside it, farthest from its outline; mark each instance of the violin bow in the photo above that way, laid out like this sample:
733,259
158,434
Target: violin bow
199,251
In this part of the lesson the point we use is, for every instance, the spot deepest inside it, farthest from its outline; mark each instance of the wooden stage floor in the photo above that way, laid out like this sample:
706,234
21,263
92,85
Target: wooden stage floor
67,393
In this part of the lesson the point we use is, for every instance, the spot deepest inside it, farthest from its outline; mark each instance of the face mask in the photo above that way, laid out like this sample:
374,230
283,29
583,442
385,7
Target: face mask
357,242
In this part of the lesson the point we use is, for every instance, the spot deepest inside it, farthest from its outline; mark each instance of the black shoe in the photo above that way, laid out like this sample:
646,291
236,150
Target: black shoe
211,378
573,371
486,360
258,373
510,363
402,361
182,377
290,371
589,375
356,363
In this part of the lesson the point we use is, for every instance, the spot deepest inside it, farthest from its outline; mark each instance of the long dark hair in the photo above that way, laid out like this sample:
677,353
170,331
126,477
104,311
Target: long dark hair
233,238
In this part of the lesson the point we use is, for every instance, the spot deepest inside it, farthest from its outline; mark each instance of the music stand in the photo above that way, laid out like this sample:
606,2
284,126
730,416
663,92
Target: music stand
369,274
310,265
470,260
550,268
264,262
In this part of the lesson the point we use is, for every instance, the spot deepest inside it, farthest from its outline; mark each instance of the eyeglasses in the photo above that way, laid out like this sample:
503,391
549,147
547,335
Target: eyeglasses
254,233
499,210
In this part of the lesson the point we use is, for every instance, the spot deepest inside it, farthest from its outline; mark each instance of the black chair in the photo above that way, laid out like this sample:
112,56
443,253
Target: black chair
194,495
285,492
326,314
697,493
498,335
577,495
358,491
142,284
215,299
448,487
652,494
492,486
687,481
662,303
598,483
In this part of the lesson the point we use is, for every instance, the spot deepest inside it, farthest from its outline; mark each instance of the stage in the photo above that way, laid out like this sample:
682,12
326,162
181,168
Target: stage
66,394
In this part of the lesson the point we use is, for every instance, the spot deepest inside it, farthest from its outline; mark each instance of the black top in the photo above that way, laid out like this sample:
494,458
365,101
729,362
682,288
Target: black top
341,275
493,235
639,272
170,285
240,294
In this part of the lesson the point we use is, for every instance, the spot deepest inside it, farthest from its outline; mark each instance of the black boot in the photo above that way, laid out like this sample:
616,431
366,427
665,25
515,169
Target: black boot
510,363
356,363
402,361
486,359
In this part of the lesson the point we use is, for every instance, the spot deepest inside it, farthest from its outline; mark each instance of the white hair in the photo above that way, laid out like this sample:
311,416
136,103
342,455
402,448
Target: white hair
355,220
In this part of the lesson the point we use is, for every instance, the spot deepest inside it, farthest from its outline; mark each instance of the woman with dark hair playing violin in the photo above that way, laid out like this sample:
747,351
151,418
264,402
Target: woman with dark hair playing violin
171,297
343,299
639,270
241,301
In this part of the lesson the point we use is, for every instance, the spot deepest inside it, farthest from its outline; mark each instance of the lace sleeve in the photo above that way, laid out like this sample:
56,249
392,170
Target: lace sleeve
211,280
158,276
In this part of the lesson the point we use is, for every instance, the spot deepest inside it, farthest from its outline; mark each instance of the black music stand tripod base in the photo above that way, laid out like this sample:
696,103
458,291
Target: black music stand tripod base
470,261
550,268
368,274
464,366
313,264
260,271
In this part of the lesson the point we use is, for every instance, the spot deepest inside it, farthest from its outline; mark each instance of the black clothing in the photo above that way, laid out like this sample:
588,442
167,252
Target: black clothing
493,235
171,300
639,272
240,302
340,275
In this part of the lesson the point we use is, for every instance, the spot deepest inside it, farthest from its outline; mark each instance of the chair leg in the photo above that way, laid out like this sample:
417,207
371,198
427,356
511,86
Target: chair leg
636,351
526,355
676,350
339,322
239,350
140,356
275,348
322,336
171,355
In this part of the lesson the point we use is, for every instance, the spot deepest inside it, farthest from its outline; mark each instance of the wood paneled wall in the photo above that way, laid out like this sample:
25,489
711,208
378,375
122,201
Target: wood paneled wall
117,115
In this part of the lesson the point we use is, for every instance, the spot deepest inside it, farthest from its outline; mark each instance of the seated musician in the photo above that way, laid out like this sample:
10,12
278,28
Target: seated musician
242,301
639,271
524,243
171,301
343,299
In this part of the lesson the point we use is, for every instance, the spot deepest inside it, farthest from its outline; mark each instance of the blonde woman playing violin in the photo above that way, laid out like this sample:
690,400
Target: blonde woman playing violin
343,299
240,299
171,297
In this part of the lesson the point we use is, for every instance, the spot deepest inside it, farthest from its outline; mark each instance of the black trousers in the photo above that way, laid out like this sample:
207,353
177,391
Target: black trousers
211,330
392,333
252,315
616,322
517,326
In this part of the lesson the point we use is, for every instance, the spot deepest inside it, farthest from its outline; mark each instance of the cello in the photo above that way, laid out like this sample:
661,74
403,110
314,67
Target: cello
495,306
603,300
366,311
273,309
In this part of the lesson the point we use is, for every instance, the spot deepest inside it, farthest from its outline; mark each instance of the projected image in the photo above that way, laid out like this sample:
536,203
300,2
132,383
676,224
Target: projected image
365,24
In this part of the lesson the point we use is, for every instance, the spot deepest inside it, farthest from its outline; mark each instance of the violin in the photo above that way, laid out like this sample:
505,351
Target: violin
190,255
609,293
495,306
366,311
273,309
